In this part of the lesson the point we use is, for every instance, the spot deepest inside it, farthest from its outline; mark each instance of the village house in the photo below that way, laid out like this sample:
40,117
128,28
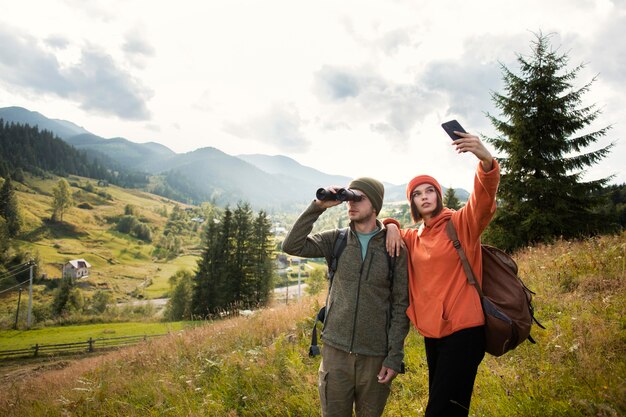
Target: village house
77,268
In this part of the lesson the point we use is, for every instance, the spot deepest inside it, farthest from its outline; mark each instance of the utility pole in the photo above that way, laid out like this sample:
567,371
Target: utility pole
30,295
287,287
17,313
299,270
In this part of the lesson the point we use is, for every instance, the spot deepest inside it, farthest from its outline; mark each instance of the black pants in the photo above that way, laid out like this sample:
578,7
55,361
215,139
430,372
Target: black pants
452,366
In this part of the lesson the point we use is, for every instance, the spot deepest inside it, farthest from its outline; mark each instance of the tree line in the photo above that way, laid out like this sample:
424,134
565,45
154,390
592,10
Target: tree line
26,148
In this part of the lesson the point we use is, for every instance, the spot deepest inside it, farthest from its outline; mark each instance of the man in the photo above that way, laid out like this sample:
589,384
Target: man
366,321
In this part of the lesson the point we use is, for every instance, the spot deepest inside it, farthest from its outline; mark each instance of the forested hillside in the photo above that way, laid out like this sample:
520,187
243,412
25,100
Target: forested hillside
26,148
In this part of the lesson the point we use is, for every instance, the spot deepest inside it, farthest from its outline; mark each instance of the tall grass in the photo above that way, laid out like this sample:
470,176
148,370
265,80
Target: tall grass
258,366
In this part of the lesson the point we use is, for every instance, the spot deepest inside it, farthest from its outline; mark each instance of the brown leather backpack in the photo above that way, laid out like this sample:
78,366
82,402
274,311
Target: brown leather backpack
506,301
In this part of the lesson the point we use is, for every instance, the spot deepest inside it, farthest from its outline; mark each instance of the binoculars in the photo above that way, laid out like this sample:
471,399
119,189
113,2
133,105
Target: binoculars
343,194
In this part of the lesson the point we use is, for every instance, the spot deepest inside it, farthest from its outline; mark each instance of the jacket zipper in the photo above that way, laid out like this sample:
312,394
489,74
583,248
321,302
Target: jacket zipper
358,290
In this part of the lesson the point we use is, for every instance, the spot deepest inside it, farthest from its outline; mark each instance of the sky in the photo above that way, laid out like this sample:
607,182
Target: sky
346,87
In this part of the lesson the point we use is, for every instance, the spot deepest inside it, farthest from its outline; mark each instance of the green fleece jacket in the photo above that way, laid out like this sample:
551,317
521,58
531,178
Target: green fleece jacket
365,312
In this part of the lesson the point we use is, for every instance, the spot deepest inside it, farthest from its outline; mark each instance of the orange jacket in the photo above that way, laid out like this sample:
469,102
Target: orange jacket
441,300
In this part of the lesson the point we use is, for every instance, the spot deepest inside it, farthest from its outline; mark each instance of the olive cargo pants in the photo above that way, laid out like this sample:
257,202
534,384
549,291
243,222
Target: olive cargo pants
347,381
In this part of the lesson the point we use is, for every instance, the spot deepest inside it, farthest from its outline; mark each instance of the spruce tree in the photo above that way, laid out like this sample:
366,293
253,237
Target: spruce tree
450,199
224,261
211,289
241,282
261,250
9,208
542,194
4,241
204,280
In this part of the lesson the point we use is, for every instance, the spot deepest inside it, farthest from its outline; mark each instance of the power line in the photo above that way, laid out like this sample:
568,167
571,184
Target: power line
16,270
15,286
15,273
18,266
12,269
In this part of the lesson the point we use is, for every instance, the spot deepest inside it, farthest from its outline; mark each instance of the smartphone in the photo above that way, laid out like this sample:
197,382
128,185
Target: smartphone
451,126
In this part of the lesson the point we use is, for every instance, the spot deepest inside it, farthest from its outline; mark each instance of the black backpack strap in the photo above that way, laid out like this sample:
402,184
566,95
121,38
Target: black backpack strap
314,349
340,244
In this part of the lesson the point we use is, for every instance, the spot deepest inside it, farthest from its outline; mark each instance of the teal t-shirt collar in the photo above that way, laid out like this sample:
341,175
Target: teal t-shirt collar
364,239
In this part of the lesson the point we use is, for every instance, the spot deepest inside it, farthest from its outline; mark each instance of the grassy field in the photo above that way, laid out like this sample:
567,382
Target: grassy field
258,365
21,339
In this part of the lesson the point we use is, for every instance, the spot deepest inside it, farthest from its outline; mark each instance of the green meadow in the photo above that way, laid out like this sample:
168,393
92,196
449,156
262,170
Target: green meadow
21,339
258,365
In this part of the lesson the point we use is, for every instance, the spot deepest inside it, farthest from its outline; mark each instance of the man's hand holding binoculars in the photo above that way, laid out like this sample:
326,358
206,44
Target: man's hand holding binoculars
333,195
328,197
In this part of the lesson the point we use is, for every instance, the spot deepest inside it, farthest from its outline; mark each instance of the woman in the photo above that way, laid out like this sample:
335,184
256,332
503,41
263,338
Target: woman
444,308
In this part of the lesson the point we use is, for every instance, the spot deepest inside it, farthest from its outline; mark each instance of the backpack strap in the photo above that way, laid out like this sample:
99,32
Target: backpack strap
487,307
471,278
340,244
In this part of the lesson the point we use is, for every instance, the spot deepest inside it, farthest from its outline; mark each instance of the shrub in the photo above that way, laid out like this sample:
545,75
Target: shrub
316,282
100,301
142,231
127,223
179,305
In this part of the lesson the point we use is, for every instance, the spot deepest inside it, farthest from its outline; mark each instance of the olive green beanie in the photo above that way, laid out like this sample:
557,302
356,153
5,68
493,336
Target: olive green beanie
373,189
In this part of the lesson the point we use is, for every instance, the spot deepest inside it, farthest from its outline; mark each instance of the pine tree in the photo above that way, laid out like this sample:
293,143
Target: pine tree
261,250
9,208
450,199
211,291
223,259
204,282
542,195
4,241
242,277
62,200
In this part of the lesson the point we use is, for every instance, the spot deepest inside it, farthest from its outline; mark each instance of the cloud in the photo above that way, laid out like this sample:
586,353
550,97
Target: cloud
333,83
468,81
96,82
332,125
403,106
465,87
393,108
392,41
137,48
57,41
280,126
608,52
102,87
104,10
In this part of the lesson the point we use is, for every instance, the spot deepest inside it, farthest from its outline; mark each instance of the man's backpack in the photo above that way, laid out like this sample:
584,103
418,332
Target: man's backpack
506,301
340,244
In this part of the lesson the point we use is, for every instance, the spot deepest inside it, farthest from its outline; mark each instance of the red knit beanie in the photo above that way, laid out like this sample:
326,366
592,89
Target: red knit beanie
421,179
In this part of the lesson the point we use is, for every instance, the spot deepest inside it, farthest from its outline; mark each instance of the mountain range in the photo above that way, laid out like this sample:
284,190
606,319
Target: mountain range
267,182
